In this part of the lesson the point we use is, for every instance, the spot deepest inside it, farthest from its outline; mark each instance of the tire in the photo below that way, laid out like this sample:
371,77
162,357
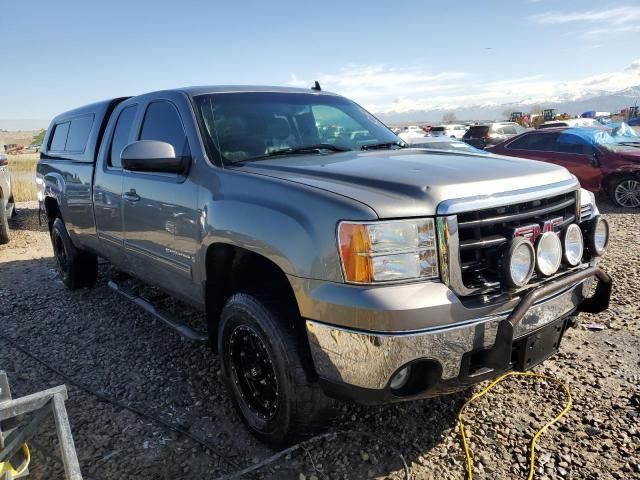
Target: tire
4,225
14,212
77,268
624,191
301,409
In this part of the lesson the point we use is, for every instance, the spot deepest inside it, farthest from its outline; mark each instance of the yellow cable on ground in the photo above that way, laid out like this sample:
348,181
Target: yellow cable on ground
538,433
6,467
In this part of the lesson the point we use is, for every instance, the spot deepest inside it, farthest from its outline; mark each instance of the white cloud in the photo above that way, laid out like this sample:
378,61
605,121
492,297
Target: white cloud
385,90
612,16
371,82
606,22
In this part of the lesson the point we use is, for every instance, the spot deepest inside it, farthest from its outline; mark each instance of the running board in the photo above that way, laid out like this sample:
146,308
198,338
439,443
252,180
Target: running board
165,317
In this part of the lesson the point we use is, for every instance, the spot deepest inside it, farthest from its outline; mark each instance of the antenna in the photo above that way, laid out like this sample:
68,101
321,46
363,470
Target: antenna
317,87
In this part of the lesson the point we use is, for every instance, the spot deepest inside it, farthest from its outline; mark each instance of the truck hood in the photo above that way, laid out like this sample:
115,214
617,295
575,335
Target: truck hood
409,182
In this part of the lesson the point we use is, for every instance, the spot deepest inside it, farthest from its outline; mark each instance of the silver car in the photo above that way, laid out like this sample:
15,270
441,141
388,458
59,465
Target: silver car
7,205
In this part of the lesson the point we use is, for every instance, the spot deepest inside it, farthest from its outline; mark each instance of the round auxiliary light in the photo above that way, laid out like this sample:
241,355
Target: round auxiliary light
598,236
548,254
400,379
518,262
573,245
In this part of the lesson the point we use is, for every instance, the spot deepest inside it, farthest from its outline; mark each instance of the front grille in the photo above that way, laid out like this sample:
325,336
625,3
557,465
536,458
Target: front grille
482,233
585,212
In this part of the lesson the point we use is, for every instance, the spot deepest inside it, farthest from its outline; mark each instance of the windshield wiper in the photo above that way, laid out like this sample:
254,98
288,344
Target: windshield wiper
316,148
383,145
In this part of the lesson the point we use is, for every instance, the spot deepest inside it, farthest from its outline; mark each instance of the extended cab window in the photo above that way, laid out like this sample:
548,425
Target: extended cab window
79,134
59,139
121,135
162,122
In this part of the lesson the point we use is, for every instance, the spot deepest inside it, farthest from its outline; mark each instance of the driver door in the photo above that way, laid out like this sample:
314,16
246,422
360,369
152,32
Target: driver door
159,209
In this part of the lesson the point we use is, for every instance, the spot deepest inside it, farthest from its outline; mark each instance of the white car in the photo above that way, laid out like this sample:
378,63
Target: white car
7,205
573,122
410,132
443,143
453,131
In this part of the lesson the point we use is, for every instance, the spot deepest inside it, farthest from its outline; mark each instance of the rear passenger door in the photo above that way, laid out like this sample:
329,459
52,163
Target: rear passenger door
107,190
160,214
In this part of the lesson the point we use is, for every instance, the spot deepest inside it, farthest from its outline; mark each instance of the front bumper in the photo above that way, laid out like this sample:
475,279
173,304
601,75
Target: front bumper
360,364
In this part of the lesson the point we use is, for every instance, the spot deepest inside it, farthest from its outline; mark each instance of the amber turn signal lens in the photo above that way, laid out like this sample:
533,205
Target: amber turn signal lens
355,246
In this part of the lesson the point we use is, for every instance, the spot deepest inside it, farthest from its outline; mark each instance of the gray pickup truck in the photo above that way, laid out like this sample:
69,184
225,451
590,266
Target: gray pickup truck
331,261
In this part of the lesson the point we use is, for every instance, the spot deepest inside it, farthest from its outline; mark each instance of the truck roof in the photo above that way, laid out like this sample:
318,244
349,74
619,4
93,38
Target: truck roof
104,105
209,89
100,107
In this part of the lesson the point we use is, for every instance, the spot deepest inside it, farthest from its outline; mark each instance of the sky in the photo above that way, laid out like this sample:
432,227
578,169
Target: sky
387,56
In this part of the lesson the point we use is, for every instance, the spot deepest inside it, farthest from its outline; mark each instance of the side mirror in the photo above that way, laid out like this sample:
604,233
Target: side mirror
595,158
152,156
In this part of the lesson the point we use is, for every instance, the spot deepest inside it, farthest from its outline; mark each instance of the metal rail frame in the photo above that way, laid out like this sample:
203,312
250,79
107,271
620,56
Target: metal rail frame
40,405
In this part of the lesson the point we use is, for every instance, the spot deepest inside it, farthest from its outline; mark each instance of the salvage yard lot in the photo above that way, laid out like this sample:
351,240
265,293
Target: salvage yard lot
104,343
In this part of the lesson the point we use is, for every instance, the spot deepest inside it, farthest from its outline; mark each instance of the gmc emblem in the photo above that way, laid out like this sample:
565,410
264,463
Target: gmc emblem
532,232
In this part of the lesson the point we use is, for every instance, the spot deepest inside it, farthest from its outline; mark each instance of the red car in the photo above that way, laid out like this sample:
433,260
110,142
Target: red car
592,155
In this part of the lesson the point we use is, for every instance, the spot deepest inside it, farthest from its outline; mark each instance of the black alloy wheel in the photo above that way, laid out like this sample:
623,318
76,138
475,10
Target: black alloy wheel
78,268
261,342
252,372
61,254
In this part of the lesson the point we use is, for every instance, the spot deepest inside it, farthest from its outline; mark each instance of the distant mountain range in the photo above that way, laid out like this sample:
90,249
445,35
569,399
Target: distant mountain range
13,125
574,105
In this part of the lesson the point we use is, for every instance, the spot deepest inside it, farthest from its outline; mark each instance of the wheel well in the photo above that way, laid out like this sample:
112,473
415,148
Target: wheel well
232,269
610,179
52,211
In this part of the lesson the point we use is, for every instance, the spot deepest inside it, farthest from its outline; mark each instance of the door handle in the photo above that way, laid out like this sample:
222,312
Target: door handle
131,196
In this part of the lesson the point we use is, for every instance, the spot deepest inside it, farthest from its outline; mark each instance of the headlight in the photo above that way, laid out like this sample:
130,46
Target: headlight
518,262
598,236
573,245
548,254
388,251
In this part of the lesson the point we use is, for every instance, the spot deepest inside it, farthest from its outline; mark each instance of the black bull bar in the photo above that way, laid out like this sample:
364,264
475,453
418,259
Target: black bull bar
498,357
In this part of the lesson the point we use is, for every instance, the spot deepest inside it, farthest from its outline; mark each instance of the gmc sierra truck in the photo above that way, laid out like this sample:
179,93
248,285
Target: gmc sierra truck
331,261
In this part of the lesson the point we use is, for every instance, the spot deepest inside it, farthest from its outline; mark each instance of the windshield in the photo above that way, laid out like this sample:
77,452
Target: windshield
253,125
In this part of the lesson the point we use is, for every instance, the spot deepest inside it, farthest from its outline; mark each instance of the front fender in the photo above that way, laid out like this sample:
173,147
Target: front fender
292,225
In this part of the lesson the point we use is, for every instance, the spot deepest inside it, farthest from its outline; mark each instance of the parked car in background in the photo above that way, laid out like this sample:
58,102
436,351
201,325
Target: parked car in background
481,136
574,122
442,143
7,205
411,132
452,131
33,148
597,159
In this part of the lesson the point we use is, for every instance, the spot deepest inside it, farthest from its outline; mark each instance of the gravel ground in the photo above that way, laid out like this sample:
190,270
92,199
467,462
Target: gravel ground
101,341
